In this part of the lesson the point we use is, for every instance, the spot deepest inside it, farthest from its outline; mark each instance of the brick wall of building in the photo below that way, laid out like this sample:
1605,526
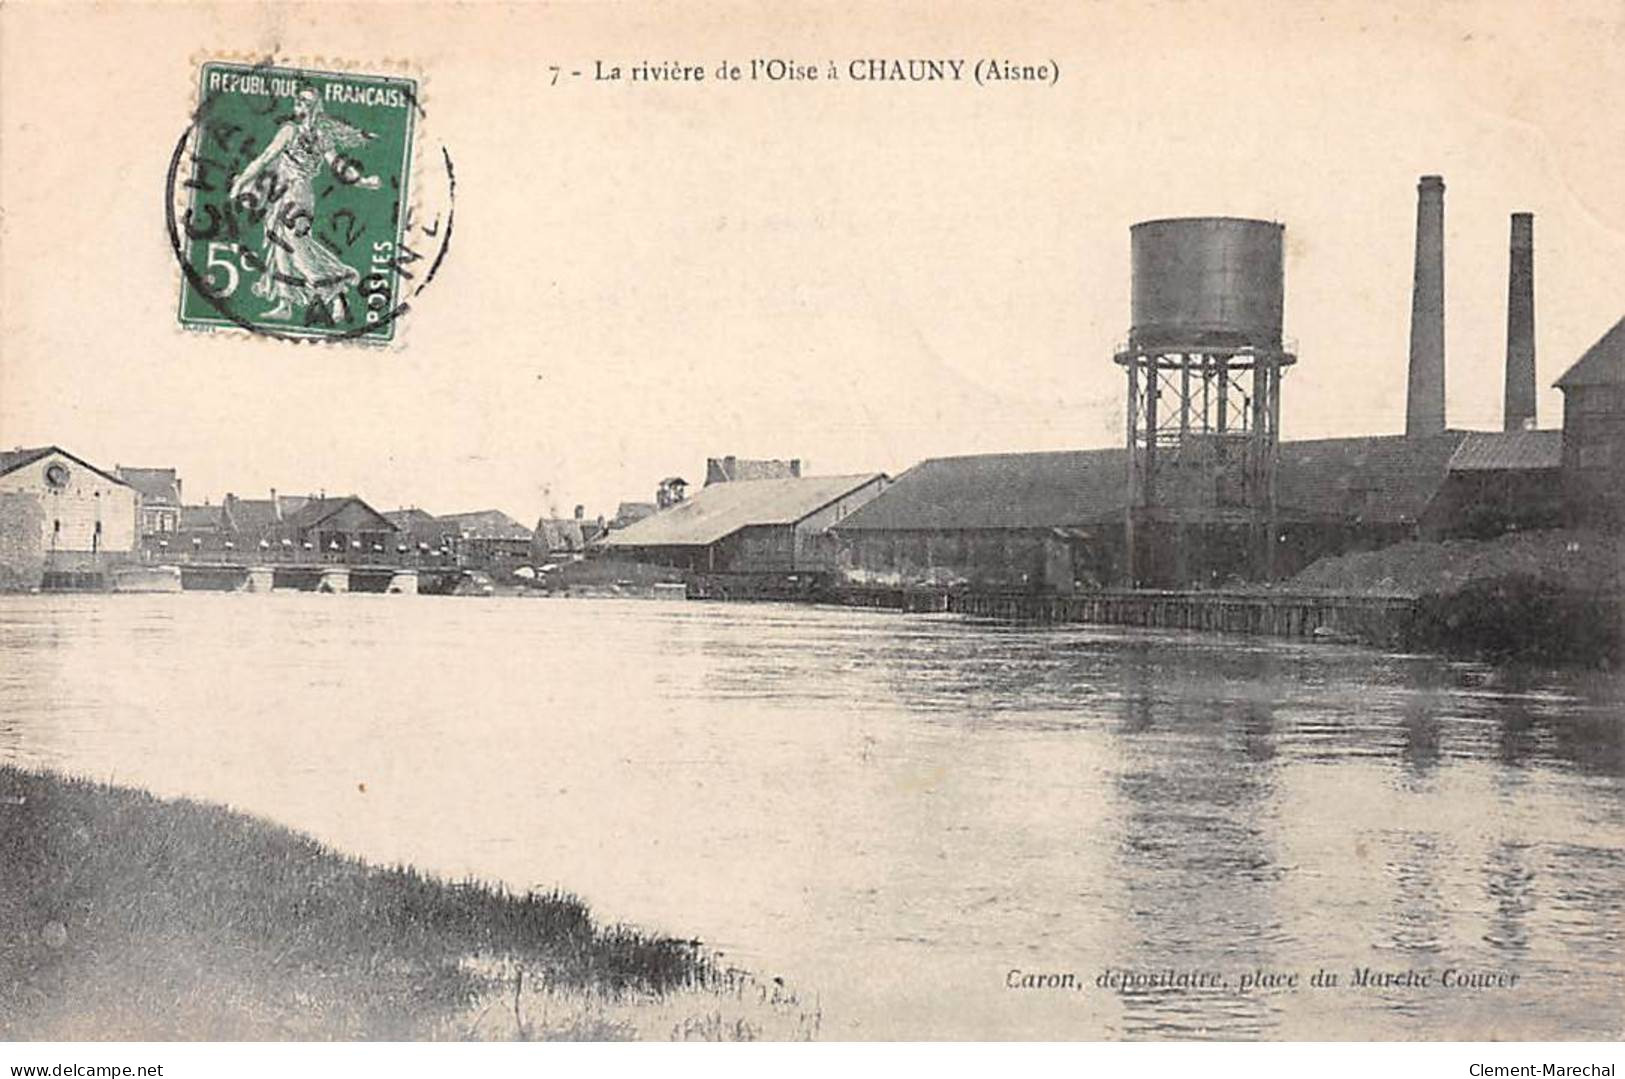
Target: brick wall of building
1594,455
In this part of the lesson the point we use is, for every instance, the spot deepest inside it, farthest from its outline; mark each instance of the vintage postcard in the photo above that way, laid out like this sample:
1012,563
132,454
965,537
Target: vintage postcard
1030,522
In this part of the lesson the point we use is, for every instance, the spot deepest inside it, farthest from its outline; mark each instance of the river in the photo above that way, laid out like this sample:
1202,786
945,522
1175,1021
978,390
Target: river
907,816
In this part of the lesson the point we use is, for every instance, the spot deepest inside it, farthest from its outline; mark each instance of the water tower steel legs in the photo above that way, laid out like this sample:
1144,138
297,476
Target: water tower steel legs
1201,466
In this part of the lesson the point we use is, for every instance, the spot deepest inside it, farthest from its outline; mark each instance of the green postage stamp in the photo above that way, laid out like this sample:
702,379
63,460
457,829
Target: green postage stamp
289,203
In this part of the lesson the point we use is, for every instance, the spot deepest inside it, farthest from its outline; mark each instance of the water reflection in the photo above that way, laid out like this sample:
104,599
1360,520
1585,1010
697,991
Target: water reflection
1195,859
897,810
1517,738
1416,919
1421,732
1509,885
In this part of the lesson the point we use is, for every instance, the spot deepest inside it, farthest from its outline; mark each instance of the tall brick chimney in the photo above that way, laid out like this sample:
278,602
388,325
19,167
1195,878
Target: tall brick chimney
1424,401
1519,410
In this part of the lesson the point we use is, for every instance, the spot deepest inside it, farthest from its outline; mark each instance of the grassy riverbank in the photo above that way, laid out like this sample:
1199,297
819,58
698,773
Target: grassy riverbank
123,916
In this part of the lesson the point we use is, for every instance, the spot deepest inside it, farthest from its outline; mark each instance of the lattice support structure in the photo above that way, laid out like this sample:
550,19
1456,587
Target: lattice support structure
1203,440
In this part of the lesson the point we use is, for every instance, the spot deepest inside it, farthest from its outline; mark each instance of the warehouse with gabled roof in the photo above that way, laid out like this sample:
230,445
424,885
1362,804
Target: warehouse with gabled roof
749,526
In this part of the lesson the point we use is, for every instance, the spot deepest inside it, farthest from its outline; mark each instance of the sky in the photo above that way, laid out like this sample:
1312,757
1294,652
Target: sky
858,274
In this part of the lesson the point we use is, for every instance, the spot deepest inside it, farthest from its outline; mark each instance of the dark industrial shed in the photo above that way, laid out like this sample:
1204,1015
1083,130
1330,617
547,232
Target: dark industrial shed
1054,521
1594,432
1003,520
1351,494
1502,481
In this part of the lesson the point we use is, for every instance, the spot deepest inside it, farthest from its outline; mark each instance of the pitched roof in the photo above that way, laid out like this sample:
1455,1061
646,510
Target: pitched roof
1601,364
412,518
1000,490
485,524
316,510
200,518
249,517
1381,479
158,486
11,460
628,512
725,508
1385,479
1508,451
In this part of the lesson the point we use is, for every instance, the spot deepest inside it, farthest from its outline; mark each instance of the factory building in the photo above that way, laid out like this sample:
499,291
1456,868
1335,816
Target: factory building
769,526
1500,482
1204,494
1032,521
1055,521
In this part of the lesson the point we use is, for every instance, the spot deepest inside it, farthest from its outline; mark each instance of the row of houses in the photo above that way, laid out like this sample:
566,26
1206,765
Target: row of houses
348,528
61,514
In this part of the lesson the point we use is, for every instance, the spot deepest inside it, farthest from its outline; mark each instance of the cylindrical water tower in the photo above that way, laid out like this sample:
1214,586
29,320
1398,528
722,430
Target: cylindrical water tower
1204,361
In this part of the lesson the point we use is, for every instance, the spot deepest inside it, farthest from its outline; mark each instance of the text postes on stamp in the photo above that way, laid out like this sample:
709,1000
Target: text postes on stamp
289,202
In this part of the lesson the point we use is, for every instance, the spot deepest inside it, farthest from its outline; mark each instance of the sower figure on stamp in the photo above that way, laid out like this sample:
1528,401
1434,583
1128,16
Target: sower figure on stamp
299,270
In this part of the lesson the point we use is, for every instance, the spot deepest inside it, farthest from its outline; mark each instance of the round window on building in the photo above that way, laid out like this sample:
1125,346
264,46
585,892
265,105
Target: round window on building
56,475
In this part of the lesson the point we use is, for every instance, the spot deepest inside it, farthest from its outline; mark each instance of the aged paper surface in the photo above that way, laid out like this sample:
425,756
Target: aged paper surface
861,236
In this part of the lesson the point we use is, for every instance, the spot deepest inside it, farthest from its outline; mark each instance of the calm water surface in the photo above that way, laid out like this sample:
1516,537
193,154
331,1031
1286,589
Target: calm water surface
895,812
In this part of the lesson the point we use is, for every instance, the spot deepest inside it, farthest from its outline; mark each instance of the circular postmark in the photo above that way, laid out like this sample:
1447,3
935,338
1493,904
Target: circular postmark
299,206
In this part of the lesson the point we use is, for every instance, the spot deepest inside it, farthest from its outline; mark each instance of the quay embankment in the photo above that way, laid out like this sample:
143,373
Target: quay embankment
1378,620
1554,598
127,917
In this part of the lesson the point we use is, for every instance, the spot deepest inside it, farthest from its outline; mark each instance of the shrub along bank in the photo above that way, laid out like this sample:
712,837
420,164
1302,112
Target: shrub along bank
1519,618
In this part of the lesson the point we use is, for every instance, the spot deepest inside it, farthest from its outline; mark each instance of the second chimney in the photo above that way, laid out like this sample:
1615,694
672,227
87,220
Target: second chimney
1519,409
1424,402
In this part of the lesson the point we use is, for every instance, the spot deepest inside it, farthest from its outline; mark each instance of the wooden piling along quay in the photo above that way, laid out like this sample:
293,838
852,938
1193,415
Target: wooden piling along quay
1372,619
892,598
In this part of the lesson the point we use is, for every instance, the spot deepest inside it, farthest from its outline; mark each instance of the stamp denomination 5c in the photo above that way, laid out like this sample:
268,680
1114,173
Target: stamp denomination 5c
289,205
